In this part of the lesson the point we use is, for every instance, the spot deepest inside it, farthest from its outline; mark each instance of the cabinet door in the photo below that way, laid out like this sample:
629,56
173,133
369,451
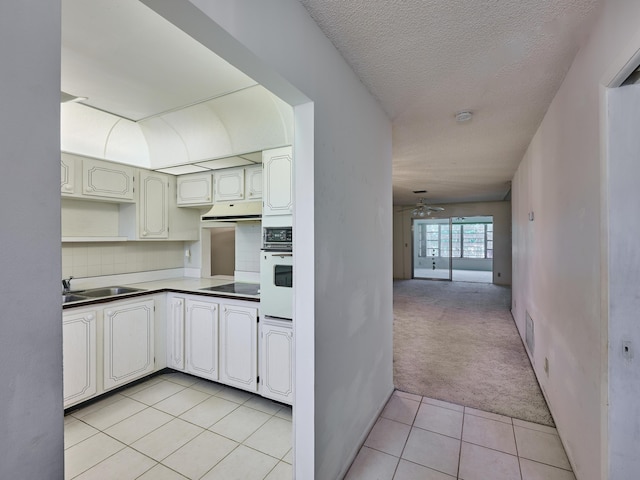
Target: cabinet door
79,356
67,176
195,189
276,362
153,205
201,341
106,179
128,342
229,184
238,347
277,193
253,182
175,333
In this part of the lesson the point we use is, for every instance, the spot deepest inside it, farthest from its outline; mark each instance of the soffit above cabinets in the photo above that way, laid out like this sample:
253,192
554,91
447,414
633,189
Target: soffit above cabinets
129,61
138,90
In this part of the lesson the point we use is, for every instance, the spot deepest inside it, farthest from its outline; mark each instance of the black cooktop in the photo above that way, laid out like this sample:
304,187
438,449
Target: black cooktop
238,288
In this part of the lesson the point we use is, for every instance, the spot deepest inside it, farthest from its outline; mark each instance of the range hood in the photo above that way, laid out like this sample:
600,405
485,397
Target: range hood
234,212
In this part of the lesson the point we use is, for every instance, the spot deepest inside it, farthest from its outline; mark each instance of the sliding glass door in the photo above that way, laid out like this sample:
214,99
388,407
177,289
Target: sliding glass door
432,248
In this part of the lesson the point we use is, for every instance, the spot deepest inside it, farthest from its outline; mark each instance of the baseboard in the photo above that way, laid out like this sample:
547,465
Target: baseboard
364,436
544,394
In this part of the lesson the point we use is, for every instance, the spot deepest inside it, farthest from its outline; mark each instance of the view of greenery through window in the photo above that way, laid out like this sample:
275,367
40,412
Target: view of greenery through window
468,240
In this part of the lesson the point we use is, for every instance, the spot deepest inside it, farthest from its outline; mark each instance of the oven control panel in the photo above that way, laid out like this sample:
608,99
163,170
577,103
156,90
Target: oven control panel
277,238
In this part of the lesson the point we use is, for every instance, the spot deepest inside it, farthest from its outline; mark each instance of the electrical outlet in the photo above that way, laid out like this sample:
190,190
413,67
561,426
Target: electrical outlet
546,366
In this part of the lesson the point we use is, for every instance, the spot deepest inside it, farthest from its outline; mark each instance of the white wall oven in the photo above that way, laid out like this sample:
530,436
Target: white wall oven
276,273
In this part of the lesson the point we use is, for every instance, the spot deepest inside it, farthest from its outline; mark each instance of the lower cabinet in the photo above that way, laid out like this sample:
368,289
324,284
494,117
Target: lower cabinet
128,342
217,340
276,360
79,356
239,347
175,332
201,338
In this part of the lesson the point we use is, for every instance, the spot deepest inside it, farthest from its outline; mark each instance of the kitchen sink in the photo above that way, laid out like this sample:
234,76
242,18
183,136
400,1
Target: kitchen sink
71,297
107,292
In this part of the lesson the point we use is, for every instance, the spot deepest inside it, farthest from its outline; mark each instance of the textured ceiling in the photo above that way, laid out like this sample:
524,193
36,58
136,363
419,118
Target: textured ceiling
425,60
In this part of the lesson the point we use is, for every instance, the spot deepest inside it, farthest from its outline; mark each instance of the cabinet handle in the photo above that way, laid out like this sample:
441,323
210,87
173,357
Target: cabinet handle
144,233
68,187
90,317
109,313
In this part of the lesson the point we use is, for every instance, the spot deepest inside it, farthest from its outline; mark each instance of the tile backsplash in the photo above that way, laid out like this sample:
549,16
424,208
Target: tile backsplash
109,258
248,243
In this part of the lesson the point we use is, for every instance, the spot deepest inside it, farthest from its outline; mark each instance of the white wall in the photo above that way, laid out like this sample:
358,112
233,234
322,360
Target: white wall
558,275
350,309
501,213
624,280
31,438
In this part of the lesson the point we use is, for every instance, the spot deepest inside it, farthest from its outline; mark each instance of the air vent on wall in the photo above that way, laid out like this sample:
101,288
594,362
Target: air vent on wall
529,336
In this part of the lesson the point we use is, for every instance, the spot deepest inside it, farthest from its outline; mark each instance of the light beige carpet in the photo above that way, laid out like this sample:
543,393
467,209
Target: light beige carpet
457,341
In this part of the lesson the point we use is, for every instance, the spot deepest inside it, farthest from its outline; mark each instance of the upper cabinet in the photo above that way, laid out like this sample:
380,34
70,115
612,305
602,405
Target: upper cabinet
229,184
153,205
195,189
108,180
253,182
277,180
68,175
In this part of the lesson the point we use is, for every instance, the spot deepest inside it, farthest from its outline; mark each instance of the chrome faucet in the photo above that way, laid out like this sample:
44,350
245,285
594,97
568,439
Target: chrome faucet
66,285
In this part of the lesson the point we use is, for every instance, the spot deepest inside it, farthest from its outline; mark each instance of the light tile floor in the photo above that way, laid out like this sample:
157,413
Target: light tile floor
419,438
176,426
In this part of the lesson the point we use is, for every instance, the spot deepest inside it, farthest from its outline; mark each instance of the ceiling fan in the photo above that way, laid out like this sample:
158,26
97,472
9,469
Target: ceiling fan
424,210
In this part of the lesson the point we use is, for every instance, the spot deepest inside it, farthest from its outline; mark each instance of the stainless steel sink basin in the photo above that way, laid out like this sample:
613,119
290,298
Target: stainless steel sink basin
71,297
108,291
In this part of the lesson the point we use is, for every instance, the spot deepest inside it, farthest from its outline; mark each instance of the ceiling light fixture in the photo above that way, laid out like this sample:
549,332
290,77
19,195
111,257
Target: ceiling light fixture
424,210
464,116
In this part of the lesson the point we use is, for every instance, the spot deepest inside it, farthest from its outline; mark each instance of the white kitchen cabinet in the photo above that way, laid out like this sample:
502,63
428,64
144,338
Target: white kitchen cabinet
253,182
201,338
239,346
128,342
277,192
175,332
276,360
107,180
79,356
194,189
229,184
68,182
153,205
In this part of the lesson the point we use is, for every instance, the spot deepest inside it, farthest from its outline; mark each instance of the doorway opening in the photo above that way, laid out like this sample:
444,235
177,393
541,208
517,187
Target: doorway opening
454,249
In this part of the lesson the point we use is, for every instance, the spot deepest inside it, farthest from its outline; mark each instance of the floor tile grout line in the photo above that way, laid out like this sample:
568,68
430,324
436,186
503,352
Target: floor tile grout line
489,448
548,465
78,443
461,437
486,418
104,459
515,441
536,430
395,470
202,401
174,417
433,431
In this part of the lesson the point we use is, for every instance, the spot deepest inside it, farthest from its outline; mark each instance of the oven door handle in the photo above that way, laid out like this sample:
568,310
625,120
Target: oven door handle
282,255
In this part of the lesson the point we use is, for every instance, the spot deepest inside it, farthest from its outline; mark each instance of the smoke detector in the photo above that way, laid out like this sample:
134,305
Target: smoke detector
464,116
